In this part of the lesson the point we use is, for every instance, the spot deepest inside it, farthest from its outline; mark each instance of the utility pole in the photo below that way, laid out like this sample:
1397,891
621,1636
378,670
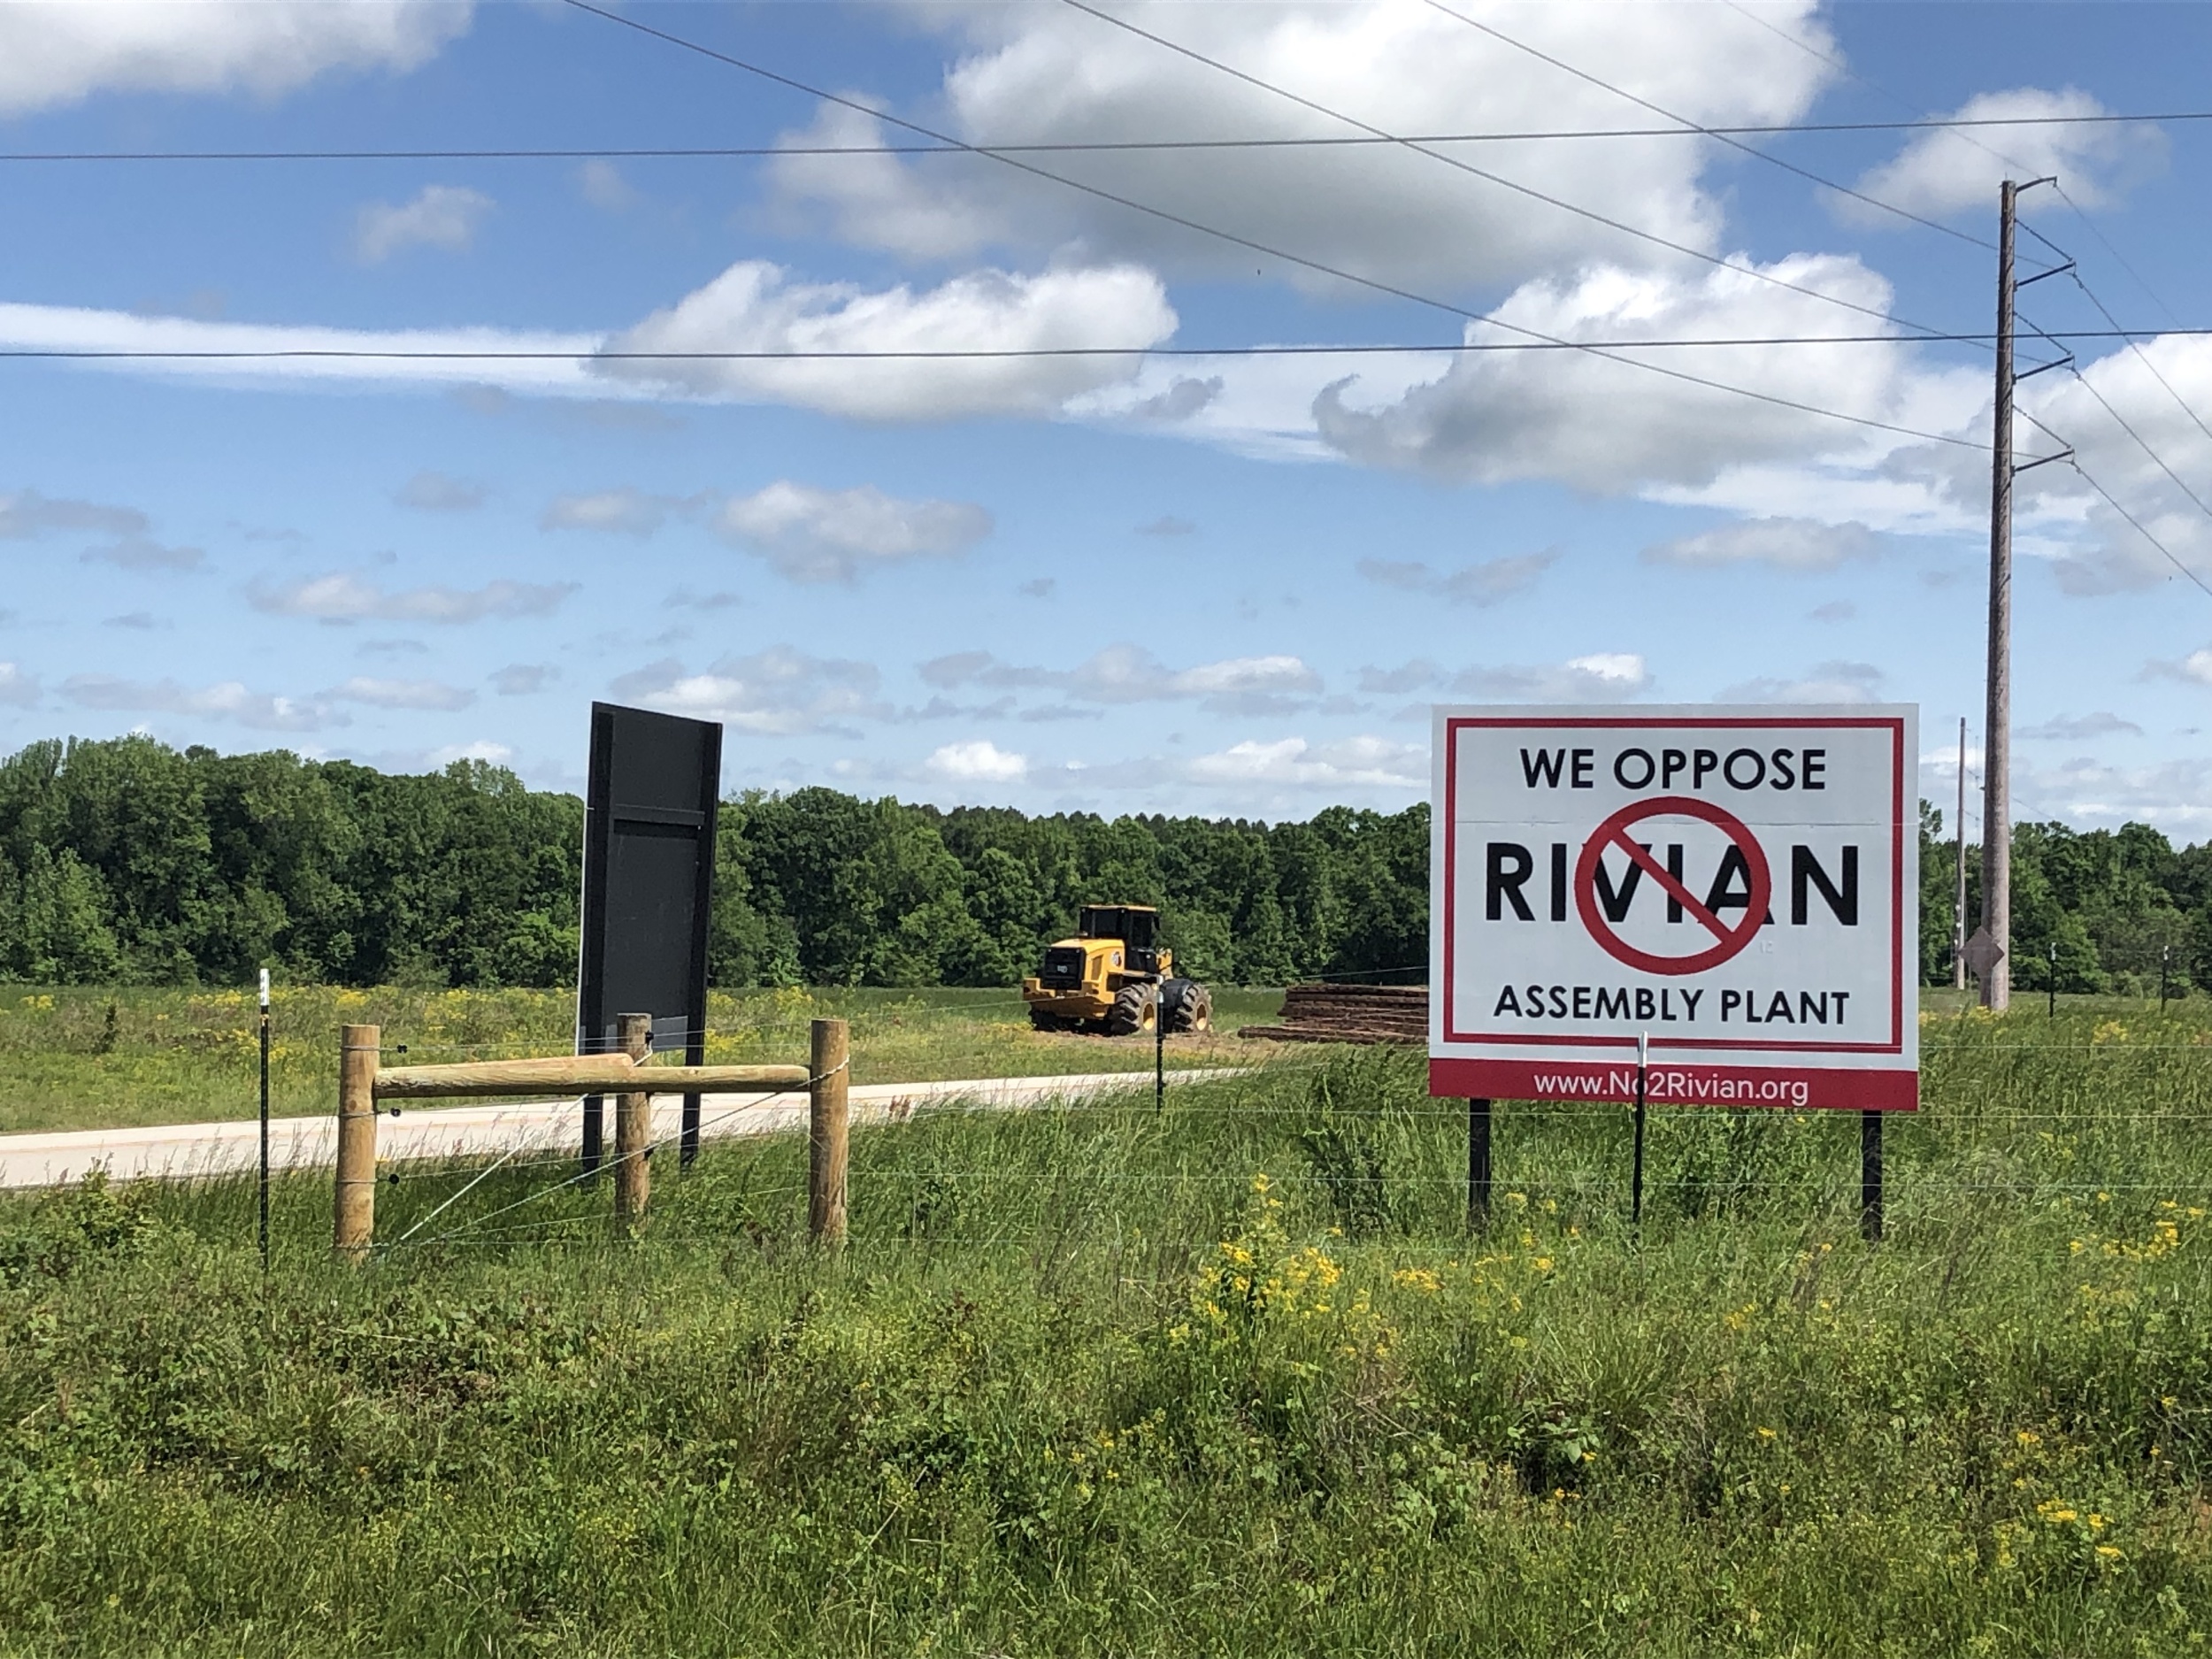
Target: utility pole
1958,902
1997,726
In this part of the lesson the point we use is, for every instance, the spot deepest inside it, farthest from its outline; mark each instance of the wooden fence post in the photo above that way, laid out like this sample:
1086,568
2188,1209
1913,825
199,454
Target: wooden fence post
826,1132
633,1130
355,1211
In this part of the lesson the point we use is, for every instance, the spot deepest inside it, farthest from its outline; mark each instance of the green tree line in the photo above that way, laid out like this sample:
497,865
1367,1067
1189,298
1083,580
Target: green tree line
127,860
2093,910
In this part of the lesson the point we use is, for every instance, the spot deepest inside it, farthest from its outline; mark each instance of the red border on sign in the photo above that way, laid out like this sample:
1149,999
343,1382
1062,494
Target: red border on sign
1895,726
1687,1083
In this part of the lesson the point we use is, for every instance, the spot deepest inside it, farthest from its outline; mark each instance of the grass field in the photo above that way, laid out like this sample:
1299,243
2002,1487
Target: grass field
92,1059
1229,1378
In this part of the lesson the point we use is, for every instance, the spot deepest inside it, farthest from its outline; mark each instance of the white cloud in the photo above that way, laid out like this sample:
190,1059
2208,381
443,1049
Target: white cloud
346,596
1048,74
439,216
779,692
56,55
2174,795
2097,551
979,761
1352,763
1608,427
1128,674
402,693
229,700
1826,682
1184,397
1482,583
1953,170
27,513
1599,677
482,749
753,307
523,679
18,689
626,511
812,535
1394,682
142,553
549,363
1790,544
435,492
2196,666
1236,684
602,185
2074,728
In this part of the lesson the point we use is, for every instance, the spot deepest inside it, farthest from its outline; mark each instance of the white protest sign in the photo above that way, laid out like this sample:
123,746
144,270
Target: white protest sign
1741,883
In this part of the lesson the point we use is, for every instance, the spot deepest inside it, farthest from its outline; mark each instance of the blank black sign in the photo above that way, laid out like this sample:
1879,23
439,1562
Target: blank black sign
649,888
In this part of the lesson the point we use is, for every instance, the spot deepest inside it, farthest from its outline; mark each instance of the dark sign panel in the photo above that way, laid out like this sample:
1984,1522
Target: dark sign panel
648,888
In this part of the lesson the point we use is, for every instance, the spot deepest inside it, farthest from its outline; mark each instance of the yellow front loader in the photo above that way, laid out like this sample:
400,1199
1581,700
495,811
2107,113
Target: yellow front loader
1114,977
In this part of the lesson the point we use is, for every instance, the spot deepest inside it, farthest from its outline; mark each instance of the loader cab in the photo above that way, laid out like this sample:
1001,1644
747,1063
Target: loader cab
1136,925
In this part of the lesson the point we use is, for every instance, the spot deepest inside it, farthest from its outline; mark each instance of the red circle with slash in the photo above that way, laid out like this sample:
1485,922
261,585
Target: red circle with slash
1727,941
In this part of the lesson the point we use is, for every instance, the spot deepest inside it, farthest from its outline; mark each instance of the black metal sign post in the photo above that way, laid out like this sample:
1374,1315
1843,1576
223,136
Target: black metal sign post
1636,1178
1478,1166
1870,1175
1159,1044
649,891
264,1228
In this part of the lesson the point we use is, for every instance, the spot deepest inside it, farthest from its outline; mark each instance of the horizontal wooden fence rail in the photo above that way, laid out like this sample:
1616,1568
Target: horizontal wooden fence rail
580,1074
363,1082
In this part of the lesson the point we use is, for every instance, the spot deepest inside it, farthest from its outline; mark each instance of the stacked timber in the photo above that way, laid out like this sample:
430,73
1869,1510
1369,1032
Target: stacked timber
1349,1013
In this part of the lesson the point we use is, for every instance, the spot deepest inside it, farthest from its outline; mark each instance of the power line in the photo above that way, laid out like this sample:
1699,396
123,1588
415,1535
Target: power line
958,354
2141,355
2140,443
1168,217
2090,225
1727,138
1964,126
1441,347
1530,191
722,152
2138,523
2121,420
2073,460
2070,459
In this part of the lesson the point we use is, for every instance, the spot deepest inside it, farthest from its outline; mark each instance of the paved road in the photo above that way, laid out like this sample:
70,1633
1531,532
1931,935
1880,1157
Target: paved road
180,1151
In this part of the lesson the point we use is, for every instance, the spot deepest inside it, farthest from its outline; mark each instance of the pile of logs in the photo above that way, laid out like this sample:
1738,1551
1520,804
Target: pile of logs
1349,1013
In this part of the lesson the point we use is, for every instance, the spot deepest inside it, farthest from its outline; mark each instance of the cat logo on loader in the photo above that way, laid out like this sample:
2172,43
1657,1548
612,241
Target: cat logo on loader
1114,979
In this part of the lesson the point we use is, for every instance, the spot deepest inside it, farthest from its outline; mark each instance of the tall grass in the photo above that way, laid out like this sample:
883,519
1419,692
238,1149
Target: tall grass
94,1057
1225,1379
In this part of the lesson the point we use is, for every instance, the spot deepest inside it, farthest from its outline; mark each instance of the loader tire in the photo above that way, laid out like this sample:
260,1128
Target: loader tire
1190,1007
1132,1011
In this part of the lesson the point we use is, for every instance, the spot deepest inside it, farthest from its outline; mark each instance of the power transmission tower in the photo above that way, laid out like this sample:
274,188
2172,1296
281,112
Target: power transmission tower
1996,976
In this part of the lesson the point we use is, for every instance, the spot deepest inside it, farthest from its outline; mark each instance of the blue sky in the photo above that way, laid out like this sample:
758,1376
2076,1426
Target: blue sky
1221,584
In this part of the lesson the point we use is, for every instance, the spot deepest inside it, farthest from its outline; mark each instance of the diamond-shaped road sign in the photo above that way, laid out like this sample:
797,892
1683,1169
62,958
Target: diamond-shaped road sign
1983,953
